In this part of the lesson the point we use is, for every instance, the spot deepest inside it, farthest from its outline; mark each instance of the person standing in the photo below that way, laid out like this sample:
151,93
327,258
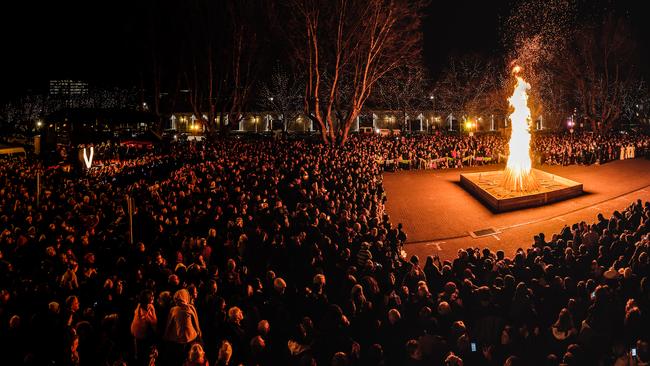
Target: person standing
622,152
182,327
143,326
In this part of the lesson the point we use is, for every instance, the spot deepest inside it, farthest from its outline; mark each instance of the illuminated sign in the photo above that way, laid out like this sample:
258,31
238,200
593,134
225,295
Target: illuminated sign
88,159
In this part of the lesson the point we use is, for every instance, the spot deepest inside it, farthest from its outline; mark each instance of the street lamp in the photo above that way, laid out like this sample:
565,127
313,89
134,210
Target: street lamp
471,125
432,98
571,124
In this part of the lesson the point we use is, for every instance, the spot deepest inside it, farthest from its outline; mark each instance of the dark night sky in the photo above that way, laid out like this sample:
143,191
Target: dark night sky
101,41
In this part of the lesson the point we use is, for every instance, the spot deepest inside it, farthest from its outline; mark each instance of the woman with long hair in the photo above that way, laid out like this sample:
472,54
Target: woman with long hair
143,325
562,333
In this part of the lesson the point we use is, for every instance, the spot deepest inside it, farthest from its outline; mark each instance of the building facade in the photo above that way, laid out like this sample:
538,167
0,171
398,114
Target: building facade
265,121
68,87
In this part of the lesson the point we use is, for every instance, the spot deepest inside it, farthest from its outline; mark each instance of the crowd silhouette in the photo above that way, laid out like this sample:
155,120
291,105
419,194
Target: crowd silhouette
442,151
280,253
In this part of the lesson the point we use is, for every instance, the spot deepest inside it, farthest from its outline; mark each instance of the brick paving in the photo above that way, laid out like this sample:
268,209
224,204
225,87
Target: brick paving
438,214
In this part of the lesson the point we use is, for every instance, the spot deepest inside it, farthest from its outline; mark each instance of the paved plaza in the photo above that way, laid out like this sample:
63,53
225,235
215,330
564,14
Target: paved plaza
438,214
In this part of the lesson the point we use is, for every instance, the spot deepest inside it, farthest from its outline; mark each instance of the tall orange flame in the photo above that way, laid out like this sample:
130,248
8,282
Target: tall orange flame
518,175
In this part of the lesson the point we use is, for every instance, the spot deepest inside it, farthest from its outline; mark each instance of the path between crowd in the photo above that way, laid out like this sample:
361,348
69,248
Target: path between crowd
438,214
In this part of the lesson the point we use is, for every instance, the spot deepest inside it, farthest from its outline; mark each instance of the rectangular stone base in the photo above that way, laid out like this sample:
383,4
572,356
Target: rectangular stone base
486,186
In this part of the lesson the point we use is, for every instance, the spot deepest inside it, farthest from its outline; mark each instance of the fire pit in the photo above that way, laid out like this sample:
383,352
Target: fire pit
519,185
488,187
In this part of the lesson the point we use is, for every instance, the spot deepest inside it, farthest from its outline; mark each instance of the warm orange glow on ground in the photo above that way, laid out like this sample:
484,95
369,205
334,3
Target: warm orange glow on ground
517,175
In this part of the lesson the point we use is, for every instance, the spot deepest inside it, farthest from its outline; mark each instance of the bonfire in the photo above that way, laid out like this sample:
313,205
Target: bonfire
517,175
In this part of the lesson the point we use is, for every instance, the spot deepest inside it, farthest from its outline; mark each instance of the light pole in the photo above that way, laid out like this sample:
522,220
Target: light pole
38,189
571,122
432,98
274,110
130,208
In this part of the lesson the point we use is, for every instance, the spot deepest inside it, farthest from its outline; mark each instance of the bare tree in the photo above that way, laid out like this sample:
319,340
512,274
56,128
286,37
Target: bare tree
221,59
635,99
470,86
21,114
9,113
535,34
155,50
574,54
25,111
351,42
403,90
601,71
99,98
551,98
282,94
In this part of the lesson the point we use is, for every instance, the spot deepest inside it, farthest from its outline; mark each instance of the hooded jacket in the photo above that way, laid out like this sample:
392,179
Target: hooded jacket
183,322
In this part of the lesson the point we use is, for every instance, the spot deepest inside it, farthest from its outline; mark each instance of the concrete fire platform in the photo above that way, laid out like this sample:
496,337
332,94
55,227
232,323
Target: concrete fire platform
486,186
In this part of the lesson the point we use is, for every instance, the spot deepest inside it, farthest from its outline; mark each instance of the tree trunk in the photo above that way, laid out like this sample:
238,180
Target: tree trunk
332,129
345,131
324,135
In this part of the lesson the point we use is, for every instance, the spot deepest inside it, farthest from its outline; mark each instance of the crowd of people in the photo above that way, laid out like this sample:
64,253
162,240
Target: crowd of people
589,148
280,253
438,151
443,151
